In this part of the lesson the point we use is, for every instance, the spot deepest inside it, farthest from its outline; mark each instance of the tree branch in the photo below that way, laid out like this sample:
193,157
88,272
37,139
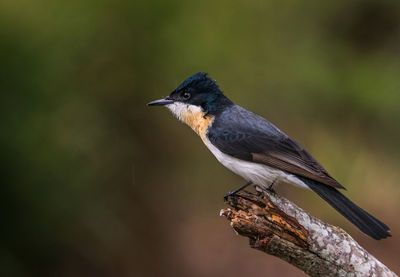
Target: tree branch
278,227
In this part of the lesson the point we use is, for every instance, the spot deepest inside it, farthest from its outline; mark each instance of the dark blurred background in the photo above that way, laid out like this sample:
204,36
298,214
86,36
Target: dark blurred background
94,183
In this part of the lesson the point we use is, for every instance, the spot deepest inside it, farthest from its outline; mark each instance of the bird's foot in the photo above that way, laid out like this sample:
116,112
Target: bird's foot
229,194
271,187
233,192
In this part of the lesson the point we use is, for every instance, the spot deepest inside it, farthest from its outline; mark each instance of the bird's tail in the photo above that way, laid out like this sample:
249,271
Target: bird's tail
363,220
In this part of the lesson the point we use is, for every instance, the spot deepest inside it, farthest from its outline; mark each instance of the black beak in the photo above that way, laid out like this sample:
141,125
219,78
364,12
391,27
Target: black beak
160,102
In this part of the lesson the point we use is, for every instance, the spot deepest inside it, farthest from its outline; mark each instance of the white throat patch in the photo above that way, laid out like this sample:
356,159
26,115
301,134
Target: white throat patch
181,110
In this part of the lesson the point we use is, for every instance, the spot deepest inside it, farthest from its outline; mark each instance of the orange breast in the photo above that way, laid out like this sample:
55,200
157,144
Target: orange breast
197,122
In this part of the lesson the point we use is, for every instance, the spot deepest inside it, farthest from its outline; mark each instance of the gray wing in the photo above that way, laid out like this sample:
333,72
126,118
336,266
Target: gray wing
245,135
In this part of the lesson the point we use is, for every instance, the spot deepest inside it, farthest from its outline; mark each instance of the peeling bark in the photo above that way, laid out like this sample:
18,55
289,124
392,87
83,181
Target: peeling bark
278,227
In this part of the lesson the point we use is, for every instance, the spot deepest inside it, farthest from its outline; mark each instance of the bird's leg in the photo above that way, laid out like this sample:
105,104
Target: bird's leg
233,192
271,186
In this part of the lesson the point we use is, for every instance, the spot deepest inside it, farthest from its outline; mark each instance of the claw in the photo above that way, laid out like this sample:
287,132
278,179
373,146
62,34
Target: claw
233,192
230,193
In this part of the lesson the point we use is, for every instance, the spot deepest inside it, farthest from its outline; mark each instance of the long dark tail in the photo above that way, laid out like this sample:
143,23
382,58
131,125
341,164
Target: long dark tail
363,220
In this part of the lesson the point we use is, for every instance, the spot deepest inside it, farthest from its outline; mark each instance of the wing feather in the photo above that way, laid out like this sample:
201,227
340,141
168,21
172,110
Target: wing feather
245,135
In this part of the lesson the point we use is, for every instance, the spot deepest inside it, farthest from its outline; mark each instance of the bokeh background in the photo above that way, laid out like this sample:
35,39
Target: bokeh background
94,183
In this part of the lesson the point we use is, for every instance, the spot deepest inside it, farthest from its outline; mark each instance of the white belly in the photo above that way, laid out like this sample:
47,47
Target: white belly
261,175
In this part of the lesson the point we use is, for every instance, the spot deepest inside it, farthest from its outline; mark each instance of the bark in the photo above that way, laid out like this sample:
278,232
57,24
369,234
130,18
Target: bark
278,227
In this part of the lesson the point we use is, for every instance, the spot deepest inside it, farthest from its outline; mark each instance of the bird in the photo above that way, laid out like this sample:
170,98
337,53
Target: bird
255,149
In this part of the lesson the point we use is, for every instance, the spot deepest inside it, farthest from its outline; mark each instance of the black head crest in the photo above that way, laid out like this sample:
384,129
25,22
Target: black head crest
199,81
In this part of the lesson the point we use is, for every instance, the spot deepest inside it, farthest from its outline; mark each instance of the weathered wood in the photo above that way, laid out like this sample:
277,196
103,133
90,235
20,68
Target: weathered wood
278,227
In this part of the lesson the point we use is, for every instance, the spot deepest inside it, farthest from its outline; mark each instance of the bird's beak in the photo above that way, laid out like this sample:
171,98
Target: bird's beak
160,102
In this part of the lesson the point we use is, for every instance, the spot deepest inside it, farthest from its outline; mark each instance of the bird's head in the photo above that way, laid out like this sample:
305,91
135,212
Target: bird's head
198,93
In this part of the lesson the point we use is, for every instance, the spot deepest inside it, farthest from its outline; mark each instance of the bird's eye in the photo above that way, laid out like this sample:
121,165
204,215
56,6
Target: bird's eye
186,95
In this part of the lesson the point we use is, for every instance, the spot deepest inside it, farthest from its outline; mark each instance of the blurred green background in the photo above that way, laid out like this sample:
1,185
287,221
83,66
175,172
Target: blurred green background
94,183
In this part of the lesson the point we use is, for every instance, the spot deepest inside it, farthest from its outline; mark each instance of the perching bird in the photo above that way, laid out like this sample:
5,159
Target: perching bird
255,149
